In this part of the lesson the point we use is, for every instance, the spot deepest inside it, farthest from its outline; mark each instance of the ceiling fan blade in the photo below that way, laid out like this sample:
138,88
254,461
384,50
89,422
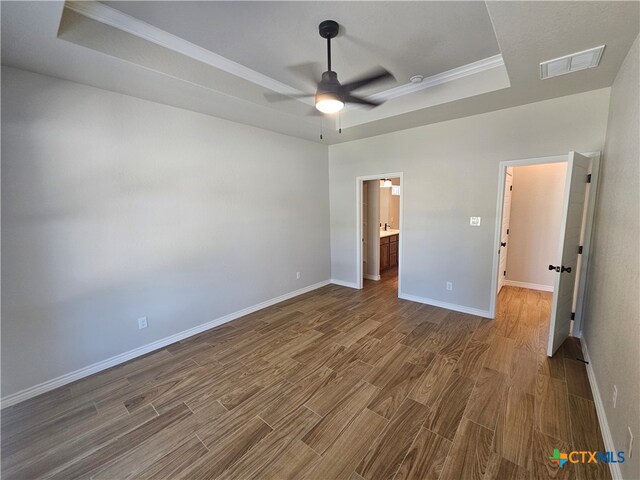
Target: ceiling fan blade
314,112
362,101
375,77
309,72
280,97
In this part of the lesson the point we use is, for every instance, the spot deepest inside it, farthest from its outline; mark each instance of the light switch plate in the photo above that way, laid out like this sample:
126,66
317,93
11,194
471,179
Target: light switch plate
142,323
474,221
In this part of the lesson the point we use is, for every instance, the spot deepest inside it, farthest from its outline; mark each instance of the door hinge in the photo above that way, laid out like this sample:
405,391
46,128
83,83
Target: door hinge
580,250
573,315
510,188
589,178
507,231
504,274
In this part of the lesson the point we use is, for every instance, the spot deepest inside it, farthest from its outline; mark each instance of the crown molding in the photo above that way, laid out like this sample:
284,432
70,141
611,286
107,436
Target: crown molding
440,78
117,19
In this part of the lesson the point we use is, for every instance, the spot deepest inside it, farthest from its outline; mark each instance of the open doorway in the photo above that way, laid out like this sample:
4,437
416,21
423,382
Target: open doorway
379,227
543,228
530,232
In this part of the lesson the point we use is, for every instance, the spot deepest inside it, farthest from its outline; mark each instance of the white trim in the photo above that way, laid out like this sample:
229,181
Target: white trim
440,78
358,259
531,286
448,306
586,243
342,283
62,380
616,474
371,277
115,18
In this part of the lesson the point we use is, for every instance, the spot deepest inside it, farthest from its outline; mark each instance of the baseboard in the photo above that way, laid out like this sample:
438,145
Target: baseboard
67,378
371,277
616,474
342,283
448,306
531,286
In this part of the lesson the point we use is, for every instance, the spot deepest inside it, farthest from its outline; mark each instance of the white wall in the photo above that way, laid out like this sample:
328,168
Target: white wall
394,207
385,194
612,312
116,207
451,173
534,229
390,206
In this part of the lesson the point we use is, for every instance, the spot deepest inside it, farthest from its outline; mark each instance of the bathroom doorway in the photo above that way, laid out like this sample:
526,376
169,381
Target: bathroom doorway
379,227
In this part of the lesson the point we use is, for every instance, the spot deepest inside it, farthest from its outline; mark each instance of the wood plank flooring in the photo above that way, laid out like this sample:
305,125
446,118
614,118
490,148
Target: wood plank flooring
334,384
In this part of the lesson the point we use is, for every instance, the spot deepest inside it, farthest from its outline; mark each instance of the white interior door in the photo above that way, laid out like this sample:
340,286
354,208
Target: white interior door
365,225
578,168
504,232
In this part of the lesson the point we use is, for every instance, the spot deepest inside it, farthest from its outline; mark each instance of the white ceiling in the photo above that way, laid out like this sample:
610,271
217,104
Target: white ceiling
220,58
407,38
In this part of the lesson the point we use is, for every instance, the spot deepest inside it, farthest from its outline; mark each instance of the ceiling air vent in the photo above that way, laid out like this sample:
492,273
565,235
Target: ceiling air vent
571,63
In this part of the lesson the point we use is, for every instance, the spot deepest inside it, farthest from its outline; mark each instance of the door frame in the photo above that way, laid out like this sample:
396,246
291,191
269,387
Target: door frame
359,181
591,202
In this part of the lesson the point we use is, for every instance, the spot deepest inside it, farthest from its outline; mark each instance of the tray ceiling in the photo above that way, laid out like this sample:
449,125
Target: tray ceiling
220,58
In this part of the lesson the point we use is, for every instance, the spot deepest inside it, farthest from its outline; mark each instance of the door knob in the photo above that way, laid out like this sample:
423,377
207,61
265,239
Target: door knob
565,269
504,244
551,267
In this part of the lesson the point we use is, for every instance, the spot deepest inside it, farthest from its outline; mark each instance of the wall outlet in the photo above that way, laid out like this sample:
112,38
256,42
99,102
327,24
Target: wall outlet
474,221
449,285
298,275
142,323
630,443
615,396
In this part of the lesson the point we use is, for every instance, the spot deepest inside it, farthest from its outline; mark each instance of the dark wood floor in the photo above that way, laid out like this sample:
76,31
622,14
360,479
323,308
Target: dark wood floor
333,384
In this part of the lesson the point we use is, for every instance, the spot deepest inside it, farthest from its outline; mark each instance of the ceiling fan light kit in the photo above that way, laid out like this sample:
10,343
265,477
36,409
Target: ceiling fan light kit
331,96
328,99
327,104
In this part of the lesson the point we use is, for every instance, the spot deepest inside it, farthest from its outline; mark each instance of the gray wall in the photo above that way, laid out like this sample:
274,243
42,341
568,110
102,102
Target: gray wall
534,227
612,314
451,173
115,208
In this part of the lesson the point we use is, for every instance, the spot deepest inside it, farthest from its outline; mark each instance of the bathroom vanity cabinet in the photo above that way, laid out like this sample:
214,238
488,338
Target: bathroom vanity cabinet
388,251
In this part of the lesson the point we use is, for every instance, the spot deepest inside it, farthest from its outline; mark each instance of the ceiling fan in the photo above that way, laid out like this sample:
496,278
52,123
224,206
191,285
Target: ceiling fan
331,95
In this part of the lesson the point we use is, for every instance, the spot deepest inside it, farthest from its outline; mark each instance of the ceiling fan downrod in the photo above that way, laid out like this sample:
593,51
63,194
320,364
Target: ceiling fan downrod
329,29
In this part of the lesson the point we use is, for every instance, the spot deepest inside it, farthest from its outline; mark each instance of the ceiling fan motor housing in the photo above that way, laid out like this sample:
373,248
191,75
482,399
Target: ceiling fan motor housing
329,29
329,86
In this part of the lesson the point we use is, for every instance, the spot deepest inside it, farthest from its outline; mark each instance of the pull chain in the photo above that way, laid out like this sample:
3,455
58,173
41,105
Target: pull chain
321,126
340,122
